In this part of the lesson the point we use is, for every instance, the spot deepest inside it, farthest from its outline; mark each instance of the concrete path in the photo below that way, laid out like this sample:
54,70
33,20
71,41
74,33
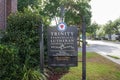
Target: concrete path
105,48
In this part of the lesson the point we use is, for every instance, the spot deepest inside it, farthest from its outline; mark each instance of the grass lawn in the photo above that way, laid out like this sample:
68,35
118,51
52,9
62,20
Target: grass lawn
98,68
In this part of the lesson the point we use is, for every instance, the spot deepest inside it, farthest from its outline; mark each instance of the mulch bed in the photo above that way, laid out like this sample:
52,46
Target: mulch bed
54,74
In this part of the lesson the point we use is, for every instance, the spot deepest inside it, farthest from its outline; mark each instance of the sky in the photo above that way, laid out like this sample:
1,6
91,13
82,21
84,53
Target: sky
105,10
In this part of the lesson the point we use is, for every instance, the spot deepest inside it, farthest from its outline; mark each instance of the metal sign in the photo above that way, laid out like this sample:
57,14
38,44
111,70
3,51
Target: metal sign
62,46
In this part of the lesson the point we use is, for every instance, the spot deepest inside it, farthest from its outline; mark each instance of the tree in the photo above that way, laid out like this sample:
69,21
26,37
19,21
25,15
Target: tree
100,32
74,10
108,27
92,29
116,25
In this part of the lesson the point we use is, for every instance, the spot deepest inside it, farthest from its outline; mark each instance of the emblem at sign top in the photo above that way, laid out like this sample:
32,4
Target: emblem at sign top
62,26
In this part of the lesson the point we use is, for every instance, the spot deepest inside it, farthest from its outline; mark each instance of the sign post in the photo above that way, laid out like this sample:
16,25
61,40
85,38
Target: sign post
83,49
41,50
62,12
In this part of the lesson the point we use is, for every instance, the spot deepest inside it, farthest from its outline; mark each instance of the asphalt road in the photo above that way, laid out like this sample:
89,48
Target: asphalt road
105,48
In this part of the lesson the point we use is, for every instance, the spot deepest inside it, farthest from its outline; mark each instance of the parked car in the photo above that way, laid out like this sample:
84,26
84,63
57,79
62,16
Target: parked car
118,38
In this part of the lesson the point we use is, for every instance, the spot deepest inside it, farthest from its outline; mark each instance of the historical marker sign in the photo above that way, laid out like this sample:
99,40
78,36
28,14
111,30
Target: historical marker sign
62,46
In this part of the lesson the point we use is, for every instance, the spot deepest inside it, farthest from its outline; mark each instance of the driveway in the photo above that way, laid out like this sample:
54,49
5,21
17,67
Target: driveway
105,48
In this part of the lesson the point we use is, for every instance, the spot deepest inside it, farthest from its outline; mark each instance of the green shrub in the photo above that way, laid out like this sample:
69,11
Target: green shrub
9,62
23,32
33,74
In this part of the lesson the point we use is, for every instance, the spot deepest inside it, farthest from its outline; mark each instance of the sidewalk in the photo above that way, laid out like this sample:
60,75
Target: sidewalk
116,42
103,49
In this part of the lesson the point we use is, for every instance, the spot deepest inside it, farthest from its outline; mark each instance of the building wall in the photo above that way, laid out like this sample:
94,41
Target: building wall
6,7
2,14
13,6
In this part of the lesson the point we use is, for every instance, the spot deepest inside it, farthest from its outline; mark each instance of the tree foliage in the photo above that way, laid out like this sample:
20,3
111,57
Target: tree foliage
74,10
108,27
24,4
9,62
91,29
100,32
111,27
116,25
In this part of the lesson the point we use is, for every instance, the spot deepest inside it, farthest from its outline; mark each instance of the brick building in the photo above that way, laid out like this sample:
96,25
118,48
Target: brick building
6,7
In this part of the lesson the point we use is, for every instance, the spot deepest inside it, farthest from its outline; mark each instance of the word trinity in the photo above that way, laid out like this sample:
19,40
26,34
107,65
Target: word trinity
61,33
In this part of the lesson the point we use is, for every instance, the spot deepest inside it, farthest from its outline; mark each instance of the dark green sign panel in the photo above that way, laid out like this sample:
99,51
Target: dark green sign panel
62,46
